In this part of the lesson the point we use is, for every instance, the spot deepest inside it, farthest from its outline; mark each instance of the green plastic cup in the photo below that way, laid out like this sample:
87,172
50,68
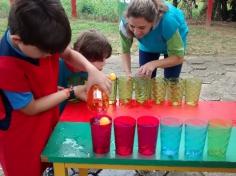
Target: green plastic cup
219,132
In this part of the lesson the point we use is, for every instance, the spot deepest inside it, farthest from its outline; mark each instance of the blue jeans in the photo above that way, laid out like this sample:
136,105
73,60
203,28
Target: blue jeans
170,72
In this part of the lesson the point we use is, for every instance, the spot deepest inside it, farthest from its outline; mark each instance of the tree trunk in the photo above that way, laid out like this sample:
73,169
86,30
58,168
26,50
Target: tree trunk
175,3
233,11
217,10
224,10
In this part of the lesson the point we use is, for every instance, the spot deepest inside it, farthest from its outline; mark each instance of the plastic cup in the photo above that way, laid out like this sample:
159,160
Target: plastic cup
158,90
219,132
142,88
175,90
124,127
170,137
147,134
192,91
125,89
101,133
195,136
112,96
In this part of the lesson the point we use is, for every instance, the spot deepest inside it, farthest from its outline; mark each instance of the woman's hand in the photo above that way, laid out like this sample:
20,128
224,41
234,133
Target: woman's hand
147,69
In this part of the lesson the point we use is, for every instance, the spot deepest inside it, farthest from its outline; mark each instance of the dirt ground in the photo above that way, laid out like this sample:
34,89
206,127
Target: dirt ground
218,39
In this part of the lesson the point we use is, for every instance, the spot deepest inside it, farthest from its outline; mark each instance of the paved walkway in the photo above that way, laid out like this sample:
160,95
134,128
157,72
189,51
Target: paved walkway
219,84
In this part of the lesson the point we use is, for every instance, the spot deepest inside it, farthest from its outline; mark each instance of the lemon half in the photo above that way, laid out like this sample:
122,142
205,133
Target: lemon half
112,76
104,121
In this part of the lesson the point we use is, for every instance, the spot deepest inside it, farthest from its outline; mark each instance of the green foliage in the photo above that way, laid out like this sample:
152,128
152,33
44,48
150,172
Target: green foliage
102,10
4,8
3,26
217,40
94,9
98,9
67,6
87,9
110,30
198,13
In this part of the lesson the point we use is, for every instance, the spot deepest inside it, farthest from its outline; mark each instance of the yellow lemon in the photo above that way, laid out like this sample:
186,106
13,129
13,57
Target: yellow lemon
175,103
104,121
191,103
112,76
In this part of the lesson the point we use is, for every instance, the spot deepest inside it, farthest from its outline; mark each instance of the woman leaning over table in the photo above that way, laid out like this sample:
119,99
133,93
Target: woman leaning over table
160,28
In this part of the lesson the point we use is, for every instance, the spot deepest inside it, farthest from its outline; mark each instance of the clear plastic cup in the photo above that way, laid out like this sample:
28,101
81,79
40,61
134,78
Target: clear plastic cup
192,91
175,90
219,132
142,88
125,89
158,90
112,96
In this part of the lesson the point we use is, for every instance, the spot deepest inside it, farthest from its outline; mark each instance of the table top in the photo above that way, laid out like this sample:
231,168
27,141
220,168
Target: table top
71,139
71,143
78,112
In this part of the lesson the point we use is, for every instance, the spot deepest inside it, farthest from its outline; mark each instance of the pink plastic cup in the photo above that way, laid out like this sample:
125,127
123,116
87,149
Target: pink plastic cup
101,134
147,134
124,127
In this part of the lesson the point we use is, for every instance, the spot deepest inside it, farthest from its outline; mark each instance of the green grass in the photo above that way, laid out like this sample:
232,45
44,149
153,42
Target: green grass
93,9
103,10
216,40
110,30
4,8
3,25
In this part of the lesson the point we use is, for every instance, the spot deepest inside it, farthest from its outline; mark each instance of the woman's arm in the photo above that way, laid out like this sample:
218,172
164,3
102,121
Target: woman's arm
126,63
126,44
176,51
149,67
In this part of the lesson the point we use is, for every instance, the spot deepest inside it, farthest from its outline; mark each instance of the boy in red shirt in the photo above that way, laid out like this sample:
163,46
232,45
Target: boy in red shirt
38,33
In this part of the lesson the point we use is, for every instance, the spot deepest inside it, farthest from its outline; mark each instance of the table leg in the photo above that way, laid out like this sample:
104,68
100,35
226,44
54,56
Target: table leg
83,172
59,169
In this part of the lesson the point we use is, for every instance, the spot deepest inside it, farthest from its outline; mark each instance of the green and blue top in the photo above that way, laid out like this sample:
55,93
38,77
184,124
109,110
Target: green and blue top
168,36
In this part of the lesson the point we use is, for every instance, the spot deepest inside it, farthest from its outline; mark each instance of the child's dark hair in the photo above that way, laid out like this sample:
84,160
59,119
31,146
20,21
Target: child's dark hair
93,45
41,23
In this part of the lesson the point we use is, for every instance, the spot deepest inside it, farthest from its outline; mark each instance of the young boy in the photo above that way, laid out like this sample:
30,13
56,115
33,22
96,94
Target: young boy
29,57
95,47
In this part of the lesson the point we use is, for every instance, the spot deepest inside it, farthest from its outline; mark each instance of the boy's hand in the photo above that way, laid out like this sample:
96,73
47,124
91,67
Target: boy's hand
60,88
80,92
97,77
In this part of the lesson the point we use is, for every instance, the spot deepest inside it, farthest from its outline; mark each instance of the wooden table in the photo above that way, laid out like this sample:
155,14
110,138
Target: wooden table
70,144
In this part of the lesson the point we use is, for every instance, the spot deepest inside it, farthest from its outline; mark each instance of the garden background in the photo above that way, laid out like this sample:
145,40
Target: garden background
218,39
208,46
